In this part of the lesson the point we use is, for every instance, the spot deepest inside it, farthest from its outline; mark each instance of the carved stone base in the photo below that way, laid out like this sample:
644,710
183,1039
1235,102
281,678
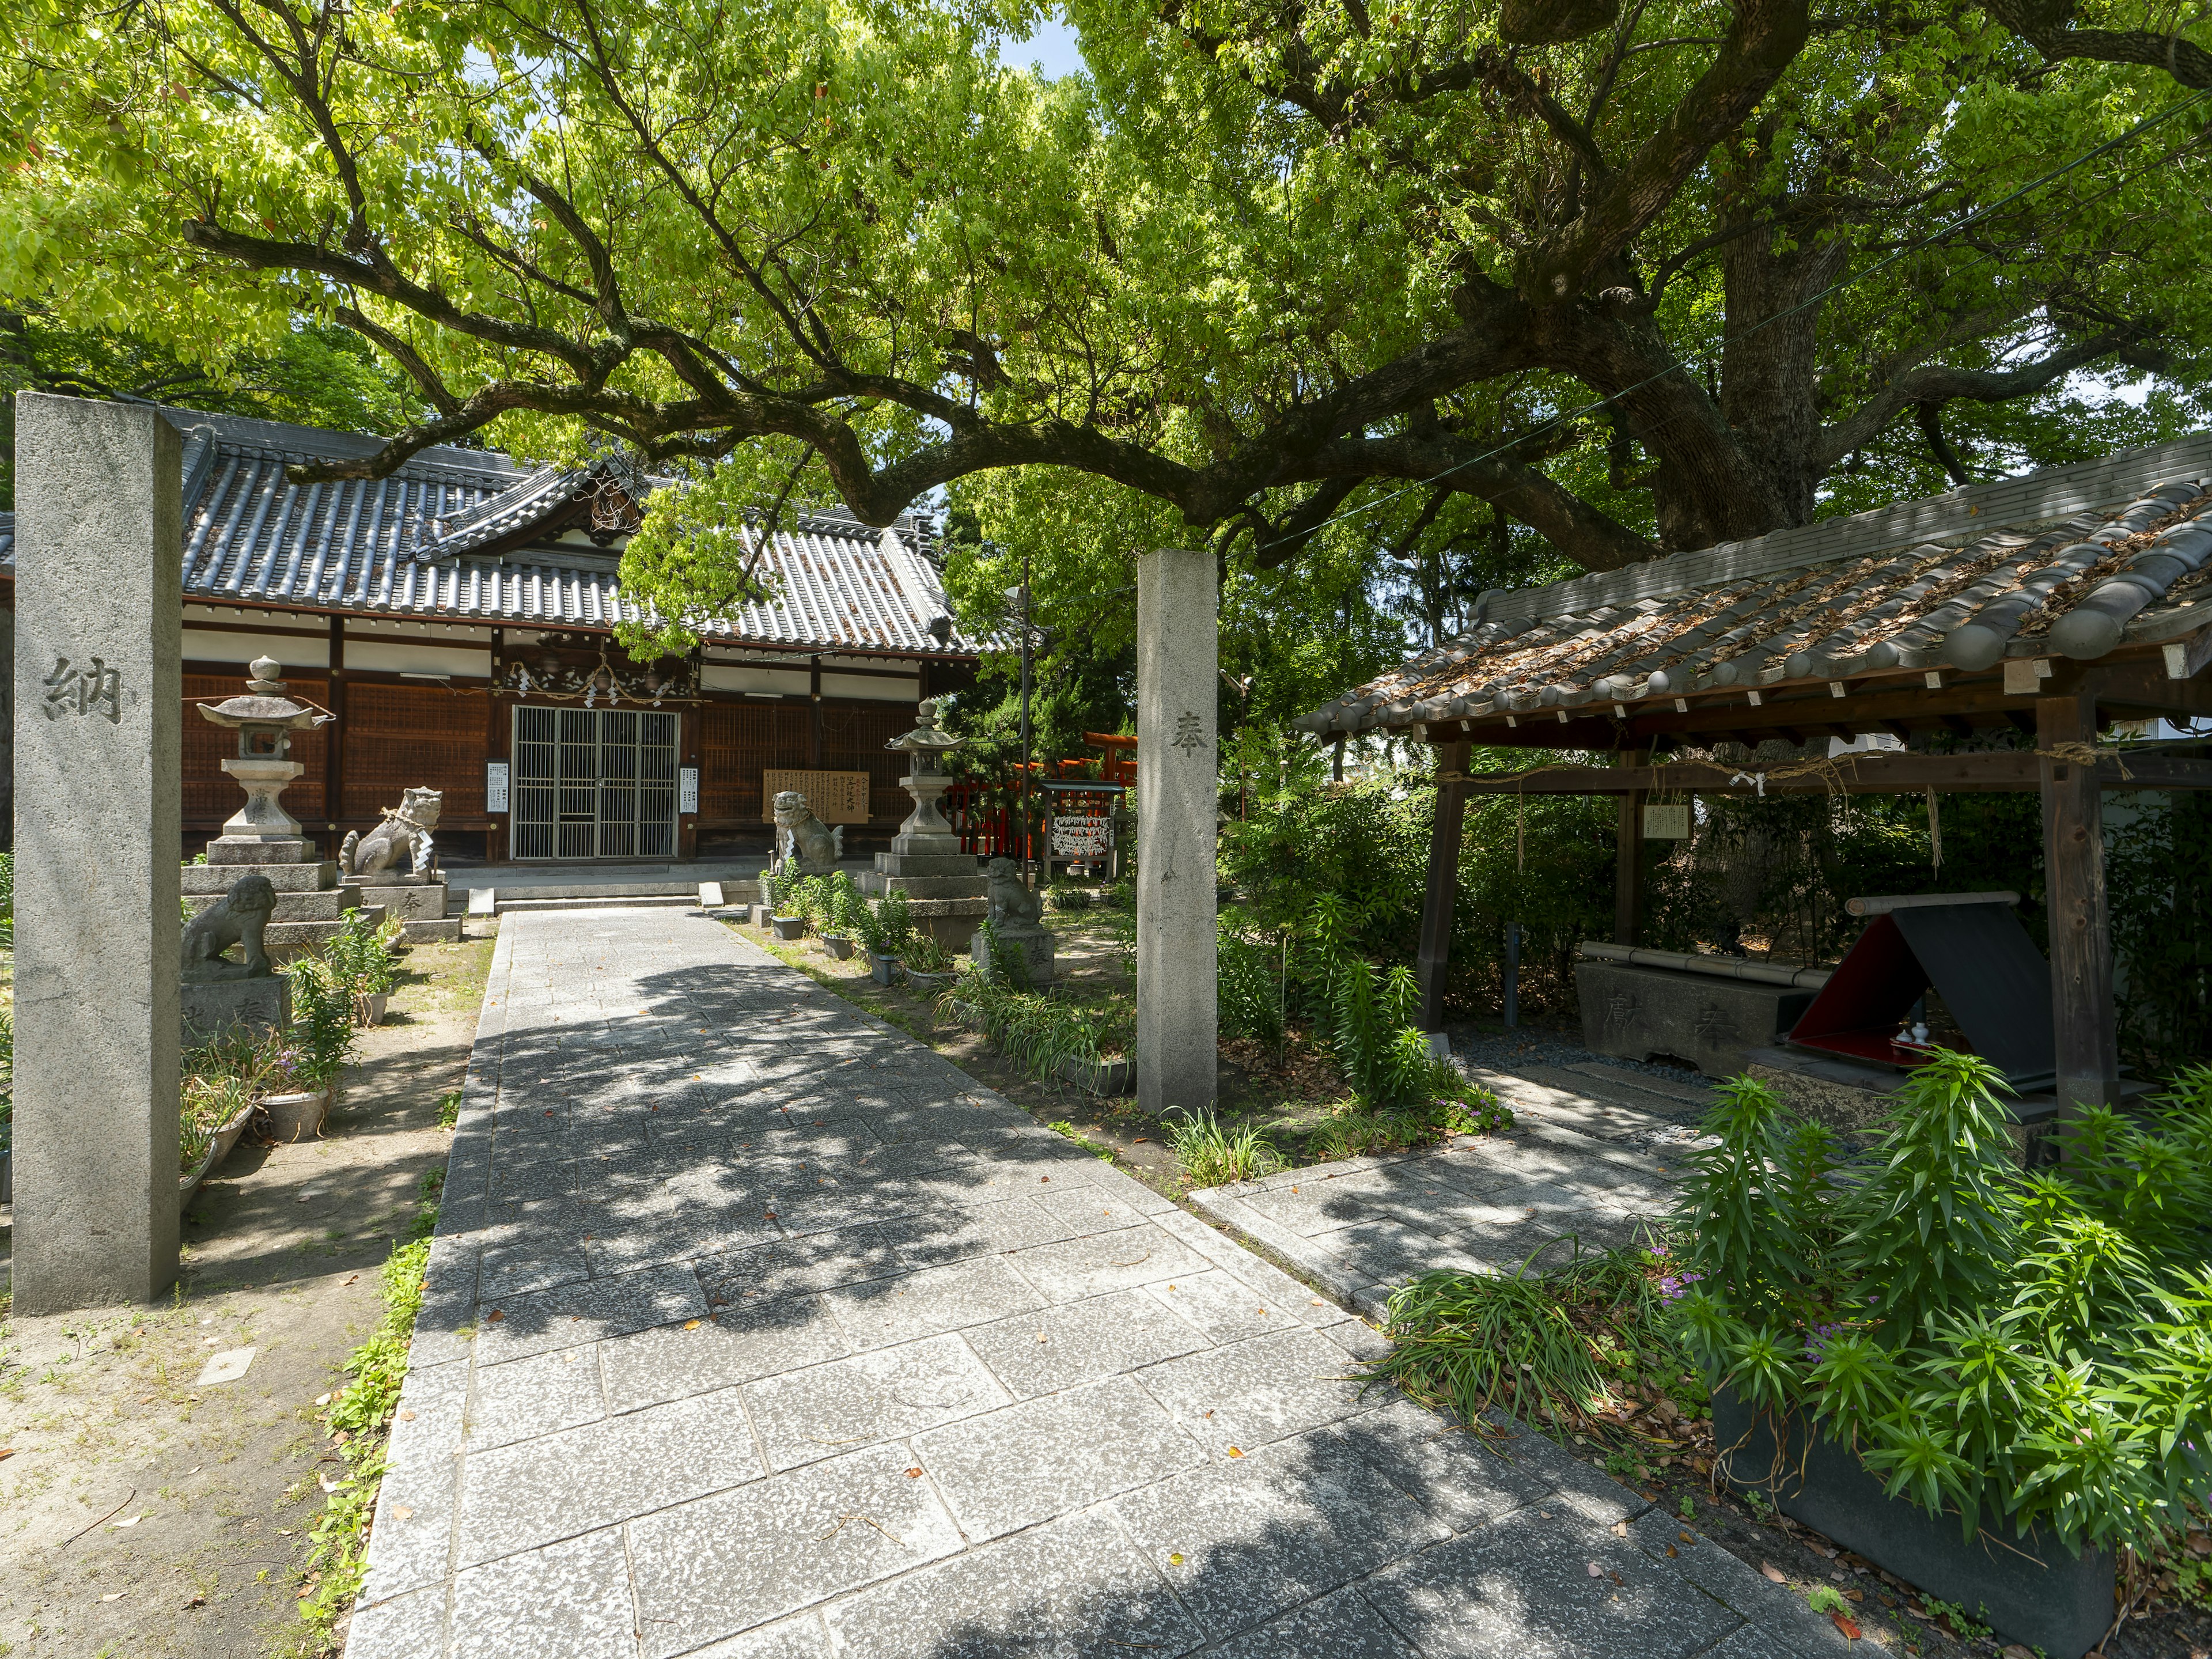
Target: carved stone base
1034,944
210,1006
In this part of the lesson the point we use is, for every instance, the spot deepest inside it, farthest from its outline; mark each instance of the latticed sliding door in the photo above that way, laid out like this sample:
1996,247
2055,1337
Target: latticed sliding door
594,783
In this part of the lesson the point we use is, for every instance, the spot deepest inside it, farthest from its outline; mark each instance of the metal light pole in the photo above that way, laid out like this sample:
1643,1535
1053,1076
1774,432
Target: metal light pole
1021,597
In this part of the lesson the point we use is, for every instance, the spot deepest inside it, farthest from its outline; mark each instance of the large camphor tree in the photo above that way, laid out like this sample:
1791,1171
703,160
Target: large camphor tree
1407,268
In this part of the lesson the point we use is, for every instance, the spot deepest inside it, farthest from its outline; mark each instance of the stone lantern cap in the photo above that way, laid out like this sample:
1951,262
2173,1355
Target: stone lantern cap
266,705
926,743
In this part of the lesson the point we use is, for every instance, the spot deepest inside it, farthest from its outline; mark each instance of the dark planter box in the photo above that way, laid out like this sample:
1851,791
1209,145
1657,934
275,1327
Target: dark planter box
928,985
1106,1077
2028,1586
837,946
885,969
788,926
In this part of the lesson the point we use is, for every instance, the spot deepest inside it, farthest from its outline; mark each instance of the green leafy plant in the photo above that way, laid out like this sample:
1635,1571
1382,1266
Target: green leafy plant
323,1022
2028,1351
924,953
449,1108
1254,981
363,1410
1213,1156
359,958
845,915
1541,1347
1826,1598
1042,1035
223,1077
894,925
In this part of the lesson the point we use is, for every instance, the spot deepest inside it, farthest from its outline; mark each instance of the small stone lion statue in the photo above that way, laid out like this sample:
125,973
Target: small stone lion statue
1010,900
408,825
239,917
803,840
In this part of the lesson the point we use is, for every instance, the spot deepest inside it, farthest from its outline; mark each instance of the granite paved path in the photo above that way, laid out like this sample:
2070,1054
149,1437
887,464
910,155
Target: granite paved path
755,1329
1590,1156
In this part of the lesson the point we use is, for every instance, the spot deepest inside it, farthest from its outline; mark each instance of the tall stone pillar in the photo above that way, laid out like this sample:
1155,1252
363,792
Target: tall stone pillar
98,702
1178,663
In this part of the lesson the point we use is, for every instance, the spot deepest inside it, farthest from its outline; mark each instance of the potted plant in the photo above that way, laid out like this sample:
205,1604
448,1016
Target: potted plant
359,959
890,931
928,964
222,1083
794,905
304,1084
1985,1382
842,911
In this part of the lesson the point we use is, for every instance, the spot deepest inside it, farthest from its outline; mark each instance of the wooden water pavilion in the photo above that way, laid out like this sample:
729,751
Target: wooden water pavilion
2055,607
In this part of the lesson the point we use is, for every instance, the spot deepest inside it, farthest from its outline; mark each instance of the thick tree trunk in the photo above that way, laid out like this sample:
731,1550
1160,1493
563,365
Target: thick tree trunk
1769,380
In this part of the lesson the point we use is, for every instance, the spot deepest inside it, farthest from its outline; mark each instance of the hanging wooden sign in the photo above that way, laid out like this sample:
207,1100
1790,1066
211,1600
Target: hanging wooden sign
835,796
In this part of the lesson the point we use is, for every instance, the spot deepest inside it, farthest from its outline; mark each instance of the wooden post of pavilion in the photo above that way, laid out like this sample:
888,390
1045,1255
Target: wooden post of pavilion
1434,954
2082,1019
1627,858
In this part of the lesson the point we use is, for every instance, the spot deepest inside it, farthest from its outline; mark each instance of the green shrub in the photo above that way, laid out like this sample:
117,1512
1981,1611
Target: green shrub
2036,1349
322,1020
925,953
1039,1033
223,1077
1254,982
1212,1156
1537,1345
359,958
847,915
894,925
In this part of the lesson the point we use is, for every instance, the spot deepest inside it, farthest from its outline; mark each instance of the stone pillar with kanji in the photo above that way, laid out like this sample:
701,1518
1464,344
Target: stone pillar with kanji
1178,662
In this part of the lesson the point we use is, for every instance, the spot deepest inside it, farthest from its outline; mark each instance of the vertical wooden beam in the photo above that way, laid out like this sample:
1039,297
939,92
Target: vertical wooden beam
2081,1015
814,713
1434,955
1628,860
334,747
497,745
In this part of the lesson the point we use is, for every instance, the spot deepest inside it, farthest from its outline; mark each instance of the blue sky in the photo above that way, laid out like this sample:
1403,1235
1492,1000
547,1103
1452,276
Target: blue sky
1052,48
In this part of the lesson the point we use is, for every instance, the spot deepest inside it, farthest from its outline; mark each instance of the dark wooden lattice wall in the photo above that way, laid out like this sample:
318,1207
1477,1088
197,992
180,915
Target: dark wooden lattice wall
403,736
739,741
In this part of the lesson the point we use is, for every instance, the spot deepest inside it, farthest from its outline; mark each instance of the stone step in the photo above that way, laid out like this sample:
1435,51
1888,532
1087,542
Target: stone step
327,905
310,877
606,902
1688,1094
288,941
932,887
445,931
1605,1091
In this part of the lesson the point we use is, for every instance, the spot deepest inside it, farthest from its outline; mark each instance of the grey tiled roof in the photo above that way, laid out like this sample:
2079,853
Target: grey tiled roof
399,547
2078,561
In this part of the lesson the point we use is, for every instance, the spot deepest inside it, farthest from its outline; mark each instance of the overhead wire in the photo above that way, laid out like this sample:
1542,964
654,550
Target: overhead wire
1681,365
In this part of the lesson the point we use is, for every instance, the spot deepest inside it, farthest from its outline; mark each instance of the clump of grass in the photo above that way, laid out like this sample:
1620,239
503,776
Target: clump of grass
1212,1156
1354,1130
362,1412
1550,1347
449,1108
1062,1127
1040,1034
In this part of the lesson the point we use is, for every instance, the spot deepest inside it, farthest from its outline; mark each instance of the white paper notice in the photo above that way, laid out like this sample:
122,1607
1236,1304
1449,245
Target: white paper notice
495,786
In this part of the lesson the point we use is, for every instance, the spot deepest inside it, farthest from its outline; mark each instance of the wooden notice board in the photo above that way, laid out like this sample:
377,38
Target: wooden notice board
835,796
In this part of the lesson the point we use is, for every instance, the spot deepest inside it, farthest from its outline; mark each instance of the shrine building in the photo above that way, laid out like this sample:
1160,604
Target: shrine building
458,618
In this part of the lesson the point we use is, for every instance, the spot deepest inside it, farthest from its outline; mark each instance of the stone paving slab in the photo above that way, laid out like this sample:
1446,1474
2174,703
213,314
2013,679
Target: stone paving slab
1594,1168
780,1338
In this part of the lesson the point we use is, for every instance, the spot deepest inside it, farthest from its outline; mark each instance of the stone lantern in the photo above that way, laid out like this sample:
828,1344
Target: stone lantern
264,720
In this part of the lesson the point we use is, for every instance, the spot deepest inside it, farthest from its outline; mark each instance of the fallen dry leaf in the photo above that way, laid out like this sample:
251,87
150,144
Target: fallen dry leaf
322,1399
402,1512
1621,1530
1175,1560
690,1324
495,1316
1774,1572
1236,1452
1596,1570
197,1601
1851,1630
115,1596
132,1522
407,1417
914,1475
